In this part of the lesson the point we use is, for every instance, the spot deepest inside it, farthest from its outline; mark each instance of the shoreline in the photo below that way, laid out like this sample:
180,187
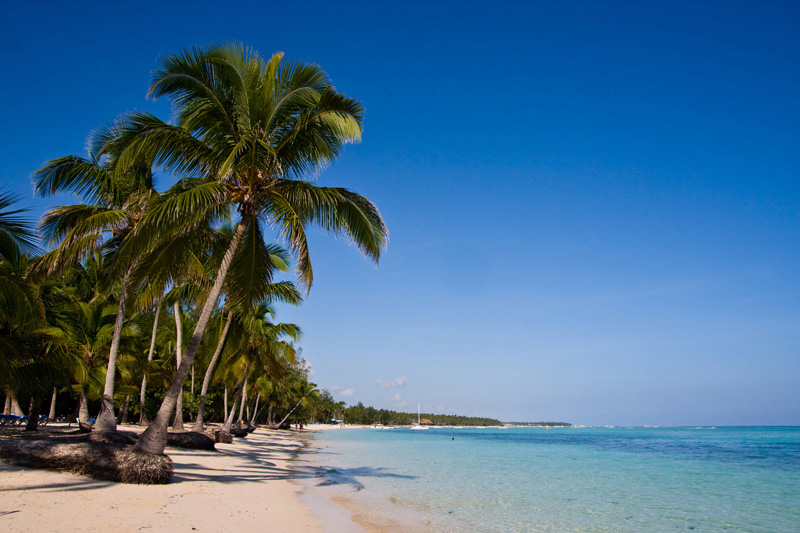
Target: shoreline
366,512
241,486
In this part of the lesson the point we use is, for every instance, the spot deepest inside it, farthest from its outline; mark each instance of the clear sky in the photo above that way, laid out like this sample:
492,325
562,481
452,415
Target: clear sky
594,207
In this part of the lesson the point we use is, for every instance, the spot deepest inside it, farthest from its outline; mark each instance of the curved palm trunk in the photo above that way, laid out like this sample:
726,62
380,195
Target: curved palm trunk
154,438
198,423
255,410
226,427
244,398
52,415
177,424
240,388
290,412
142,415
106,421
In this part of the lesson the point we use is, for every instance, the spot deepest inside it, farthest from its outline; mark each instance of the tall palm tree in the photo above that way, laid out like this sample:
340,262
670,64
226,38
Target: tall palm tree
259,342
282,291
114,206
301,390
150,353
250,130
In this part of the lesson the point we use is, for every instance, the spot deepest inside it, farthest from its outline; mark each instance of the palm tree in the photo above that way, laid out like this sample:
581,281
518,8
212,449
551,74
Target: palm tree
301,390
250,130
259,342
283,291
114,205
150,353
18,300
16,236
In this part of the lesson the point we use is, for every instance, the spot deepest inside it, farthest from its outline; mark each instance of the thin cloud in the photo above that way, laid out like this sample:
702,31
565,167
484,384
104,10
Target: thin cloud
340,391
399,401
399,382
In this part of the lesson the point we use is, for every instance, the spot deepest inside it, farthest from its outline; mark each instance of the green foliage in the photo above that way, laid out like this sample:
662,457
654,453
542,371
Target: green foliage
248,131
361,414
16,236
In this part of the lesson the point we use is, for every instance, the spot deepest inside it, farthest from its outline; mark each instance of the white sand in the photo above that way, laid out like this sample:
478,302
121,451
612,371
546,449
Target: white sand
244,486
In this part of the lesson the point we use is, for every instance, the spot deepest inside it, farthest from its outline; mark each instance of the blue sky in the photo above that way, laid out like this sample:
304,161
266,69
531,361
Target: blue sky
594,207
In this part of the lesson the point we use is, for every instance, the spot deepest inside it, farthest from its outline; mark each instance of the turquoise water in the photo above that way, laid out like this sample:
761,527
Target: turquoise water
574,479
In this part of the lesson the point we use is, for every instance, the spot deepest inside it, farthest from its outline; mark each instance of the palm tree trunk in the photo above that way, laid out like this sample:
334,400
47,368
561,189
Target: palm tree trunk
123,417
154,438
142,415
15,406
229,420
255,410
177,424
225,402
244,398
83,411
270,420
33,415
198,423
106,421
258,413
52,415
7,406
290,412
240,389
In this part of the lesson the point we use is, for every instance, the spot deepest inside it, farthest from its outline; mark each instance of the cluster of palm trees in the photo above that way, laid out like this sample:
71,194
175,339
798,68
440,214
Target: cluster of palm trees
89,313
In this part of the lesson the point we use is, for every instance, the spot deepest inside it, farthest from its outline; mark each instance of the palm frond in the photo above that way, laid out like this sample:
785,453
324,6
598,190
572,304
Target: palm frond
292,204
16,237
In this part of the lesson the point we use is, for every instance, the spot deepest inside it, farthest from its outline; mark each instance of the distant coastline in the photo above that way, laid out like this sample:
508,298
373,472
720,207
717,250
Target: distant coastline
537,424
362,415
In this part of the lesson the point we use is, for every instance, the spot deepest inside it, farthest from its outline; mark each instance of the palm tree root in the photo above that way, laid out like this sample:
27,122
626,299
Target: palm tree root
191,440
81,455
223,437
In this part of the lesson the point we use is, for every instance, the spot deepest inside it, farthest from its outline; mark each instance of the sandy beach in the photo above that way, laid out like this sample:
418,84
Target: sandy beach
244,486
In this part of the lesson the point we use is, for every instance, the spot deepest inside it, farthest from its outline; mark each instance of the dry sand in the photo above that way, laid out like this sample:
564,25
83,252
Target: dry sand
244,486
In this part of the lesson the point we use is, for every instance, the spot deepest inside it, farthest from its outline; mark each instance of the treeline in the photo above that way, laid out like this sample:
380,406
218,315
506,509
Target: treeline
367,415
541,424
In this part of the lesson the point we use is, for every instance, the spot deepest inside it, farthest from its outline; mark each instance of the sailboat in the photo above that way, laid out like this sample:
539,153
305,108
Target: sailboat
418,425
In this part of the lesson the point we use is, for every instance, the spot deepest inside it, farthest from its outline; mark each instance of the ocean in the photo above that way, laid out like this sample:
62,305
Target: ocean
570,479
